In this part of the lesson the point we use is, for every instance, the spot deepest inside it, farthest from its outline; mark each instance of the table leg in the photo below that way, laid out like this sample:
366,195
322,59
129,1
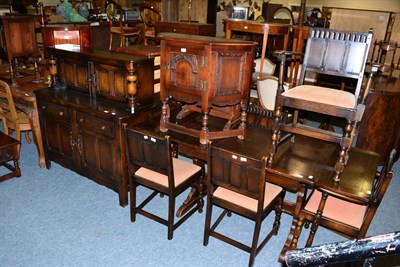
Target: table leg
192,198
37,135
297,224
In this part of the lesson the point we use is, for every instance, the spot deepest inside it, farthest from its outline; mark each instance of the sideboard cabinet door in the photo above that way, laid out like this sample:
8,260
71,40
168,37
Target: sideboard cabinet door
57,132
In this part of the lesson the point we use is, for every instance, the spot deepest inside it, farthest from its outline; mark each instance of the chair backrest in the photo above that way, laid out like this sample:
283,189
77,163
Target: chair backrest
151,152
234,172
266,89
7,107
114,12
268,67
149,15
337,53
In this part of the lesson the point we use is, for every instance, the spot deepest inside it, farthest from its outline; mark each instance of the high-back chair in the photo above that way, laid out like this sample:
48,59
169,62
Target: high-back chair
150,15
151,164
122,29
237,184
11,117
333,53
347,216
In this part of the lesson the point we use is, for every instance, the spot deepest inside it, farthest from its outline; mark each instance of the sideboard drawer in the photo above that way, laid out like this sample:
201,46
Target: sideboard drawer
56,111
95,124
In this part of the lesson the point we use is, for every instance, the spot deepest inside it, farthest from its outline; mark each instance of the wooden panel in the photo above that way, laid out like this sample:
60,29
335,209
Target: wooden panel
198,11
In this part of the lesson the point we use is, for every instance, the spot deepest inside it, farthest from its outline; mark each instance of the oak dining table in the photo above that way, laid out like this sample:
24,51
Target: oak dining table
25,100
297,167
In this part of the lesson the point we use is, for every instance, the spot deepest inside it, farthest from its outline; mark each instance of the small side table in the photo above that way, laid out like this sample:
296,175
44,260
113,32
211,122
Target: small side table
9,151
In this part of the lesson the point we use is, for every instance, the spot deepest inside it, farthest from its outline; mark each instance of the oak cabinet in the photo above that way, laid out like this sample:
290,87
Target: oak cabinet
82,115
210,75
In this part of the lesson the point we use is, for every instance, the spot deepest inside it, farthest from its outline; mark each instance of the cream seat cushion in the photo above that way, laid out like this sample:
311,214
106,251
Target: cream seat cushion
337,209
182,171
271,191
322,95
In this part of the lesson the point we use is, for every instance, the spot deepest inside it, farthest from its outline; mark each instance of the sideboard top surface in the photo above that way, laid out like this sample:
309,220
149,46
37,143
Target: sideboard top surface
99,55
203,39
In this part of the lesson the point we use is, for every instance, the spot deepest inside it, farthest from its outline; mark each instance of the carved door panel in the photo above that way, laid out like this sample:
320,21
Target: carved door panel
57,132
183,71
231,68
97,148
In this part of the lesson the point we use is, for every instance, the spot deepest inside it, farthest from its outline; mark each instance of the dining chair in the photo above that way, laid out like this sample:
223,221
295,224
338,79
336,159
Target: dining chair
237,185
115,15
342,213
151,164
337,54
150,16
12,118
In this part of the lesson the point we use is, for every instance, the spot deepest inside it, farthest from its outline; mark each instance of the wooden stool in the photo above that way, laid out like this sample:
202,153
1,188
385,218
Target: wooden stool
9,151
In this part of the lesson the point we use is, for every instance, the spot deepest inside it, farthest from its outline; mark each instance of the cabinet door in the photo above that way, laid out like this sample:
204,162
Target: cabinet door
57,133
98,149
183,66
74,73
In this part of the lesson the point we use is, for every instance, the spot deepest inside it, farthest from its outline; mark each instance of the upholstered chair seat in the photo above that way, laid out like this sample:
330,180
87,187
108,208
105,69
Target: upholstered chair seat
322,95
271,192
182,171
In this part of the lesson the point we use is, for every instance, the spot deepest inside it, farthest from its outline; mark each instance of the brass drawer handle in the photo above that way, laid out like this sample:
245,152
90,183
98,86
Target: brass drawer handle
61,113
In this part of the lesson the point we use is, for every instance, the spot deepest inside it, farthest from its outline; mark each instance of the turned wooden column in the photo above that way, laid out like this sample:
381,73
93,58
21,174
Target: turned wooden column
302,12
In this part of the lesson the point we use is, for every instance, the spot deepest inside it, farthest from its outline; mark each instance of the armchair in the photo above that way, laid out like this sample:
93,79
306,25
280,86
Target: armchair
334,53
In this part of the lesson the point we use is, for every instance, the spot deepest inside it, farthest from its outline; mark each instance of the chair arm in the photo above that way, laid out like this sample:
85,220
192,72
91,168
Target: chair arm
374,68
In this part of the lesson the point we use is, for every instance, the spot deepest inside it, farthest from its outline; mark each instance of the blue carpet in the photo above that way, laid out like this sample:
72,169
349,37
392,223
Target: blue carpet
58,218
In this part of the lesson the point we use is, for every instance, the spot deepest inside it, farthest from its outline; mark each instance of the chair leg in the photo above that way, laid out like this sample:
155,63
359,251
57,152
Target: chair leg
200,203
171,211
27,137
256,235
122,41
208,222
317,219
109,47
5,127
345,144
133,199
277,222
